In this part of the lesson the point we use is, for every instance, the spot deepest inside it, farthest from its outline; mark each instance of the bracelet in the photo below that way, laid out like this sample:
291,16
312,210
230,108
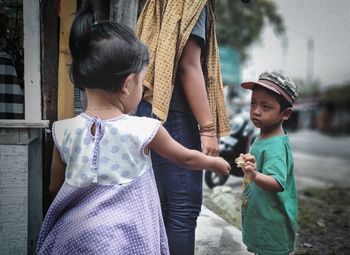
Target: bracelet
210,125
206,130
208,135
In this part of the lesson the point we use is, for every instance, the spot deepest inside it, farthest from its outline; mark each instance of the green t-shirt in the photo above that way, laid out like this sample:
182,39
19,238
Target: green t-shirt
269,219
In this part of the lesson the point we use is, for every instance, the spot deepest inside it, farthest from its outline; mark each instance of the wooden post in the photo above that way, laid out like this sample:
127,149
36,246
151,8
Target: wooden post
65,104
49,79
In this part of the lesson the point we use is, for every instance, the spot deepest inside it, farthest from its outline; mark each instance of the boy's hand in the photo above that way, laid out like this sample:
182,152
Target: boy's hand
248,157
249,165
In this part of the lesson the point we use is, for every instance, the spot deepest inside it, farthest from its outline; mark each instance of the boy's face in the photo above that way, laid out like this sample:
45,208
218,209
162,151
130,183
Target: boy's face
265,110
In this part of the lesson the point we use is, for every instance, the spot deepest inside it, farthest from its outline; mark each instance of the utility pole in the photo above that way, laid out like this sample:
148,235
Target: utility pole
284,54
310,64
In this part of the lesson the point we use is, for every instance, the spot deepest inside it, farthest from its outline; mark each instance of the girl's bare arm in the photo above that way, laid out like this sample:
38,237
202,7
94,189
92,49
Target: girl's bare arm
164,145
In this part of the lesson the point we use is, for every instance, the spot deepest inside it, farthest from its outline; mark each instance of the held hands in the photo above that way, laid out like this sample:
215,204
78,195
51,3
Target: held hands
210,147
248,165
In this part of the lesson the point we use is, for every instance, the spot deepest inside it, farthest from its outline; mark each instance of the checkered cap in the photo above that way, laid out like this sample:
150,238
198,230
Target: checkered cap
277,82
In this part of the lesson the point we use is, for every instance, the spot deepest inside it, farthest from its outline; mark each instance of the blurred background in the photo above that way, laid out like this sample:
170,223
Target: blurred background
307,39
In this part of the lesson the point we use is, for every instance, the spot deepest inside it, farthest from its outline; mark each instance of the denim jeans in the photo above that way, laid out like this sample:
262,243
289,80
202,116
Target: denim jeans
180,189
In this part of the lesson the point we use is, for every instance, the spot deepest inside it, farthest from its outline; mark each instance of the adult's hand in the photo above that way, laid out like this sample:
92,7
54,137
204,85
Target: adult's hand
210,145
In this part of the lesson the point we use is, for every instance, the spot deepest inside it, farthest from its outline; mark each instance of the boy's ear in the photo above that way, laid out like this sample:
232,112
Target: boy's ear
126,84
287,113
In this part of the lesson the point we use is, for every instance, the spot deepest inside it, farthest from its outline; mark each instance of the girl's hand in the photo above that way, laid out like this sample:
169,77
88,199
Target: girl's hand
210,145
221,166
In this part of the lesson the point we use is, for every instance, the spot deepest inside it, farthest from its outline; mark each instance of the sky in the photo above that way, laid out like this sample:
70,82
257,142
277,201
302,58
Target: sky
326,23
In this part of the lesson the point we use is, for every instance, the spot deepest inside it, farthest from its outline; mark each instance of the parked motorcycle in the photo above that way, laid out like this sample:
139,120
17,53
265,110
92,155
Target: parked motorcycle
243,133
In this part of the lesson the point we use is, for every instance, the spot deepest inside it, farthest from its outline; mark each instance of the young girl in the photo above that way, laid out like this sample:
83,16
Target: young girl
107,200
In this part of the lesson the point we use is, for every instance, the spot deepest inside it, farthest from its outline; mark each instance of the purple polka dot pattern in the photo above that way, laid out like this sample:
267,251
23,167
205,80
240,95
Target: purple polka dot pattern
97,219
109,202
124,138
77,149
104,160
85,159
78,131
87,140
119,141
125,173
115,149
114,131
115,167
125,156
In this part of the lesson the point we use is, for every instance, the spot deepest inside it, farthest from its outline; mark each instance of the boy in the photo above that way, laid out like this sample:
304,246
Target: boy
270,206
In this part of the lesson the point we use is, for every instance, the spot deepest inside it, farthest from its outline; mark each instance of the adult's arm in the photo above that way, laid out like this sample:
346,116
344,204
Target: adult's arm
192,79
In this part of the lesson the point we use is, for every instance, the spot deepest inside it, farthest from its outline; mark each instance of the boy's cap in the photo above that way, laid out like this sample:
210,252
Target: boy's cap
277,82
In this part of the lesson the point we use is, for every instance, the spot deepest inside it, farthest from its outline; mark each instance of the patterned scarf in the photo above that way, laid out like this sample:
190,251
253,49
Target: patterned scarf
165,26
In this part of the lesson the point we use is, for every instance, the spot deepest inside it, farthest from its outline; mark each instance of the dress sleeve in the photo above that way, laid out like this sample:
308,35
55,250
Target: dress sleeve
58,138
150,128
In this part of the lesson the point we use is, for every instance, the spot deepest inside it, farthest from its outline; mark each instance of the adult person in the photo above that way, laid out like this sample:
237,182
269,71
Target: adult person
184,90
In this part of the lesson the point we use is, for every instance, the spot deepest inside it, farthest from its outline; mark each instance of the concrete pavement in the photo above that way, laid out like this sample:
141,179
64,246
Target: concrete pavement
215,236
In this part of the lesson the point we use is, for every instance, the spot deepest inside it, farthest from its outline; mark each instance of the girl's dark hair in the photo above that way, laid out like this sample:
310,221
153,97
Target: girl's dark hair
103,54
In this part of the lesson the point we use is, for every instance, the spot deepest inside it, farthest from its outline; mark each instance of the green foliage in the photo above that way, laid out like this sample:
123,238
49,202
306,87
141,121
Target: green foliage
239,25
338,94
307,90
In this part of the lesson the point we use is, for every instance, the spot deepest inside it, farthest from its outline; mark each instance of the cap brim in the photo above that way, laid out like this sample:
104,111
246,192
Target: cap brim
251,84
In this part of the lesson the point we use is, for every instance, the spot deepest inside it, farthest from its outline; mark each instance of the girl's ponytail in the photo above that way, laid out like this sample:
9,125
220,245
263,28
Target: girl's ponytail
103,54
80,33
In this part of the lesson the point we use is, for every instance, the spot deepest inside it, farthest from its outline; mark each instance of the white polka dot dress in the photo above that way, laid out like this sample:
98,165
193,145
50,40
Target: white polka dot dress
108,203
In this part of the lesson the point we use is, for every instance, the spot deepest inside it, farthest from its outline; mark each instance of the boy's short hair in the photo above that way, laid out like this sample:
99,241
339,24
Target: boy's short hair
277,82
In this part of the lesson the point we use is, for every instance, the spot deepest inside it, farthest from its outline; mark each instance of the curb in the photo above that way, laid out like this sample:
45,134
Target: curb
216,236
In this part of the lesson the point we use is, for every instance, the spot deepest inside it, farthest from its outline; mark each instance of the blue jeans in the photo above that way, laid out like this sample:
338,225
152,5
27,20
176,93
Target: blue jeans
180,189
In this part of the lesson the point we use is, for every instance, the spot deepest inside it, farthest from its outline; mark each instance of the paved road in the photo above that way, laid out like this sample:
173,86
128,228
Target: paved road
316,143
319,160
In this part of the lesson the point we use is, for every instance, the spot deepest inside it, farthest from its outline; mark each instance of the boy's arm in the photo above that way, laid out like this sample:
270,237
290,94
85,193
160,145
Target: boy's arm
193,83
264,181
164,145
58,169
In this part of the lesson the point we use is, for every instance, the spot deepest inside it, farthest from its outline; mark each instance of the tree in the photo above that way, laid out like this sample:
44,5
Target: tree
124,12
239,24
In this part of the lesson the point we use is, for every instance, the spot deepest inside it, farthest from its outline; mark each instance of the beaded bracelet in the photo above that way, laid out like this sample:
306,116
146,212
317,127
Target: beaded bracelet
210,125
208,135
207,128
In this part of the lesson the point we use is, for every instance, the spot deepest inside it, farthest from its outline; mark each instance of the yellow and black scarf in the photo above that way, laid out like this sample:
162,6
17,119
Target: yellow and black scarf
165,26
